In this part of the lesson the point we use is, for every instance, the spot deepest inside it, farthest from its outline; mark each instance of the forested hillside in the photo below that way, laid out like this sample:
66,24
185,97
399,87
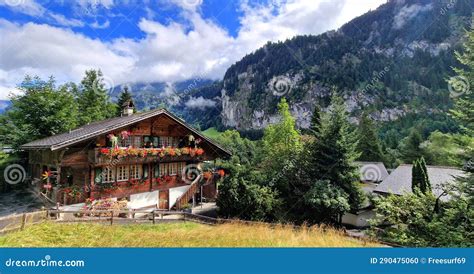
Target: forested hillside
393,62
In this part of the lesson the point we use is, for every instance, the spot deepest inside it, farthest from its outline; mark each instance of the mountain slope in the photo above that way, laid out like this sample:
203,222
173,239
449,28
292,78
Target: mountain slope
394,60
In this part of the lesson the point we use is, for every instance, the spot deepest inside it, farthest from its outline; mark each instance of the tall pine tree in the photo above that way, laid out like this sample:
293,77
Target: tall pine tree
331,158
369,143
93,99
463,85
410,148
125,96
420,180
316,120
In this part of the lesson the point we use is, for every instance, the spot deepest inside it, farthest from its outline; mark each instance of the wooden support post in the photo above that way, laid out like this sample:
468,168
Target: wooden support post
153,216
57,208
23,221
111,217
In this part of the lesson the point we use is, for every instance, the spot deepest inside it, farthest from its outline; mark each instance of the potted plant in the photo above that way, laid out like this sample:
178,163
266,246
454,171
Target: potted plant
187,208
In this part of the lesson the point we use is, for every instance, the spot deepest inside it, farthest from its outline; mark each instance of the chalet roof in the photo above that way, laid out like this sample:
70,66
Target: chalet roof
399,181
95,129
372,171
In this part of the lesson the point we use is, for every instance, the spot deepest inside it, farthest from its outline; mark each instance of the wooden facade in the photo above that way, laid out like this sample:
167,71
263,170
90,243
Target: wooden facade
156,153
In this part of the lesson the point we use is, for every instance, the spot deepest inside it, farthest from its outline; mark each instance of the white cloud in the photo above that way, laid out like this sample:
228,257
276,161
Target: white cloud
408,12
200,103
97,25
169,52
34,9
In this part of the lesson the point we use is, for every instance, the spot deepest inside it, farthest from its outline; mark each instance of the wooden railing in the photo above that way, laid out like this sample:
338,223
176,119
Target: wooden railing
188,195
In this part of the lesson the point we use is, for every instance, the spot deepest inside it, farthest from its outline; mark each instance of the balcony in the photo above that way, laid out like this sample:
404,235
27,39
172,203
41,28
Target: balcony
144,155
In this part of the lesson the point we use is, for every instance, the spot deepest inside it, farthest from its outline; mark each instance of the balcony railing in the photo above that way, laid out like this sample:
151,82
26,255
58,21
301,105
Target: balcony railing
117,155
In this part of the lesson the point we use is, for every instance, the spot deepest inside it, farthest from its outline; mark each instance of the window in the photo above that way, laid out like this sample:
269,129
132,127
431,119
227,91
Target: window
181,166
156,171
167,141
122,173
125,142
136,141
145,171
135,172
156,141
108,175
163,169
173,168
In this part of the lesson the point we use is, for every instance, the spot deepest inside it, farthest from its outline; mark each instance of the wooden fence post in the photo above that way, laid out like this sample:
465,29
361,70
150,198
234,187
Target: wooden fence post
153,216
111,217
23,221
57,208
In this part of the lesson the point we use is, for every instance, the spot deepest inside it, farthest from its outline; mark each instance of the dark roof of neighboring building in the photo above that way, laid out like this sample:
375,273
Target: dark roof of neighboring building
399,181
95,129
372,171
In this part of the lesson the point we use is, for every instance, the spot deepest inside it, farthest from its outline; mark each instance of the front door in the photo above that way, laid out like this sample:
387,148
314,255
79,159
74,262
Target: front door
163,199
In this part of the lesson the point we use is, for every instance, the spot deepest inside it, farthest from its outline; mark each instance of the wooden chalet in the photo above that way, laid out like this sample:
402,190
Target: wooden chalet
149,158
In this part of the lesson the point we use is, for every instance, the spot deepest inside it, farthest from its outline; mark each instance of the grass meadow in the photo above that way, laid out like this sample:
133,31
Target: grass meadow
186,234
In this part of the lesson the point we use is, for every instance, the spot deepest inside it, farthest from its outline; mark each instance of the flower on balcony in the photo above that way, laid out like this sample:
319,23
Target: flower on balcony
185,151
170,151
221,172
145,152
124,134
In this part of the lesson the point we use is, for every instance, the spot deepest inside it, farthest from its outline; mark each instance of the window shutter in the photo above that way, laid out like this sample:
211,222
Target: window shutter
98,175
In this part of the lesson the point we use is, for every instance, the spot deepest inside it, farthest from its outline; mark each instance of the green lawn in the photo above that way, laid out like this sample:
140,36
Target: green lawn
187,234
211,133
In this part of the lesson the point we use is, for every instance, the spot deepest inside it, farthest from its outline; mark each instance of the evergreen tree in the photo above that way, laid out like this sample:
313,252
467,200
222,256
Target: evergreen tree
420,180
410,148
93,99
331,158
463,86
316,119
125,96
369,144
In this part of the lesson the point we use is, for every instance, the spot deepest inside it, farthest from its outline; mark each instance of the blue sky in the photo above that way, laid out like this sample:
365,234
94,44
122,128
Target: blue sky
150,41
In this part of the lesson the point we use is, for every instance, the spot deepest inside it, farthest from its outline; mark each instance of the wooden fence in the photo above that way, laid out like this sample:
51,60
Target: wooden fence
19,221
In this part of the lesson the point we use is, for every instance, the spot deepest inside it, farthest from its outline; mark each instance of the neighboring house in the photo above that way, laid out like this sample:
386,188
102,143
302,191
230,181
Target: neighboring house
399,181
371,174
149,158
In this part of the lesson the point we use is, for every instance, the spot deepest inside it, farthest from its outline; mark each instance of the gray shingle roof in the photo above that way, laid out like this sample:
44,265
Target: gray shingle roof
95,129
399,181
372,171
